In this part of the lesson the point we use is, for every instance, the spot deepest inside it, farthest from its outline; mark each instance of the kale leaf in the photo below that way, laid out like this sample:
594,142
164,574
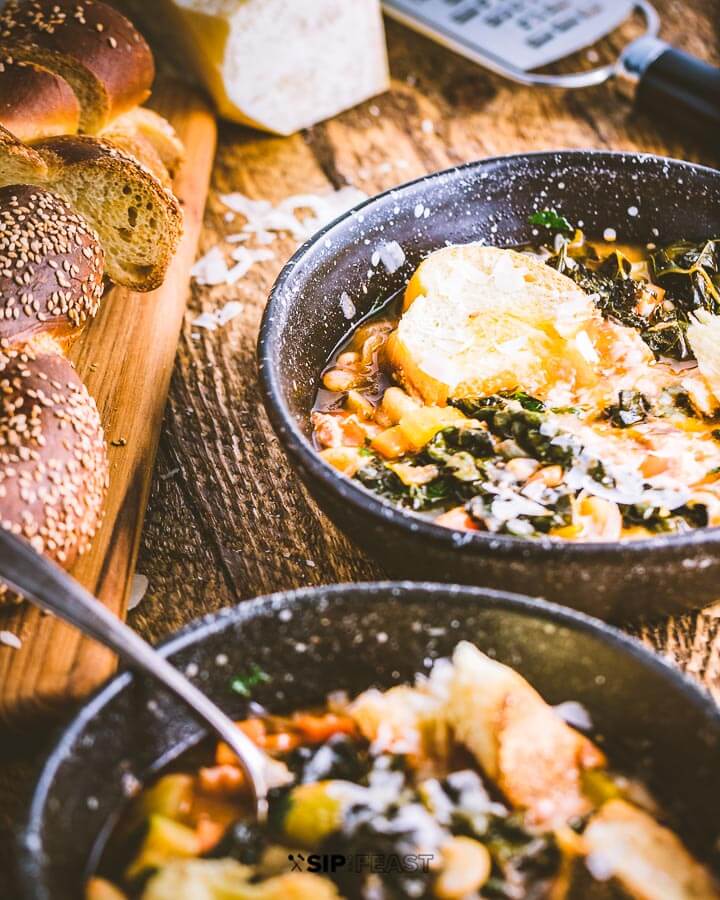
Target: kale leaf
616,296
243,684
552,220
690,273
528,429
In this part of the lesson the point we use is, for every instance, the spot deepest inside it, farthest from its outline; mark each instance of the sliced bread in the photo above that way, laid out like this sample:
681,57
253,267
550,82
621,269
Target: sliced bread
478,320
35,103
138,221
101,55
145,124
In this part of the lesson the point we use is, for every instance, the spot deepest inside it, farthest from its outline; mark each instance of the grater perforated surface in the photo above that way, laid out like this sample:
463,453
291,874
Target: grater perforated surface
526,34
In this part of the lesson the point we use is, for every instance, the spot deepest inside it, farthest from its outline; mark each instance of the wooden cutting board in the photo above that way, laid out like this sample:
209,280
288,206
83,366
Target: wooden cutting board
125,358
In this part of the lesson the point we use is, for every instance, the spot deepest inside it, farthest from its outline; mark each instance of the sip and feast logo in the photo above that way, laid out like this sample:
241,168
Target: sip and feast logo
378,863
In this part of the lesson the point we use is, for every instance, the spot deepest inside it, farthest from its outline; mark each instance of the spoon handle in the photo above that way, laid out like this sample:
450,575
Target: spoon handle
50,587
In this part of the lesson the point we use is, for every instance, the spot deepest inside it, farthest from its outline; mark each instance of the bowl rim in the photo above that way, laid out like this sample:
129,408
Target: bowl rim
300,450
28,840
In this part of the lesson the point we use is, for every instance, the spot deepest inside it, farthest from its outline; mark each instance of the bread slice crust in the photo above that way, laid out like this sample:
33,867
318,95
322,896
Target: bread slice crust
35,103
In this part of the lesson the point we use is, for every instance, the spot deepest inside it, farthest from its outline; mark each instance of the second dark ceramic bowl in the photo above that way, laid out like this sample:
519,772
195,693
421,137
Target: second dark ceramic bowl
652,721
644,198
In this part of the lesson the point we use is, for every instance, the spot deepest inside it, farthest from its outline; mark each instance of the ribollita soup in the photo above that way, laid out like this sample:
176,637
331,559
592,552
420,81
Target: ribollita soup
463,785
568,389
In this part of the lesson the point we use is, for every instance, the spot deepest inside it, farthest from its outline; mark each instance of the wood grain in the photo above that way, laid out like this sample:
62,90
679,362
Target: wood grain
227,517
125,358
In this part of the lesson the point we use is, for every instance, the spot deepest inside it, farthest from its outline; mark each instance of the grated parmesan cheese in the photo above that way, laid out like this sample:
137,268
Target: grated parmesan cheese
263,217
586,348
210,269
264,221
391,255
219,317
10,640
346,305
138,590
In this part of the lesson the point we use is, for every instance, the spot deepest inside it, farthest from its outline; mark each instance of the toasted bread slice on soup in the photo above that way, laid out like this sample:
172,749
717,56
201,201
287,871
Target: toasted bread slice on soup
478,320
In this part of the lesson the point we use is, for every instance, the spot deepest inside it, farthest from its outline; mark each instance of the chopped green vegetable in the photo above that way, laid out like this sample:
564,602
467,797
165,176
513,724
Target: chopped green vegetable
552,220
660,519
501,427
243,684
690,273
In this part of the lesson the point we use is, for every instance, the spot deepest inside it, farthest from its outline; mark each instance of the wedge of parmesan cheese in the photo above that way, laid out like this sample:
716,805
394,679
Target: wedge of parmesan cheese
479,319
271,64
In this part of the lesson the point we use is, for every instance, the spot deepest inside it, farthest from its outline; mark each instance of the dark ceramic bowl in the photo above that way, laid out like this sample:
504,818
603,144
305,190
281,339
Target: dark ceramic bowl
651,720
644,198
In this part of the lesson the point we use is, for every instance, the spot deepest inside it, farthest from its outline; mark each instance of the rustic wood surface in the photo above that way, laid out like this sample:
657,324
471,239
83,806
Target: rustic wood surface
227,518
130,346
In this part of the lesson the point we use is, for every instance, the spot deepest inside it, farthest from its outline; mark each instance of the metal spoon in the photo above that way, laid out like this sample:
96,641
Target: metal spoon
48,586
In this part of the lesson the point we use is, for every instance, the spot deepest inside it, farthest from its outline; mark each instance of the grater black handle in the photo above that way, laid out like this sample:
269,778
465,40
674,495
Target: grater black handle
679,86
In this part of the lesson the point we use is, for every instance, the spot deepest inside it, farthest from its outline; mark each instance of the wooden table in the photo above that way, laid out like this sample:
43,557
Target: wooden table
227,518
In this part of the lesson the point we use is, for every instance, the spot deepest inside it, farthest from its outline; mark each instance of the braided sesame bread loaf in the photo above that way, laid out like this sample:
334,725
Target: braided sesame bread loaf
37,103
53,460
138,220
98,52
51,267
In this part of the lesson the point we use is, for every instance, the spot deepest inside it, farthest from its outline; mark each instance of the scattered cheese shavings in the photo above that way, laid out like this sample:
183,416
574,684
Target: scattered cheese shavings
228,312
245,259
219,317
10,640
575,714
263,217
391,255
210,269
206,320
138,590
264,221
346,305
586,347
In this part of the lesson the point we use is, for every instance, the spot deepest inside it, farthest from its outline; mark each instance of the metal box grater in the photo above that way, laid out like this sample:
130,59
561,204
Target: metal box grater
520,34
